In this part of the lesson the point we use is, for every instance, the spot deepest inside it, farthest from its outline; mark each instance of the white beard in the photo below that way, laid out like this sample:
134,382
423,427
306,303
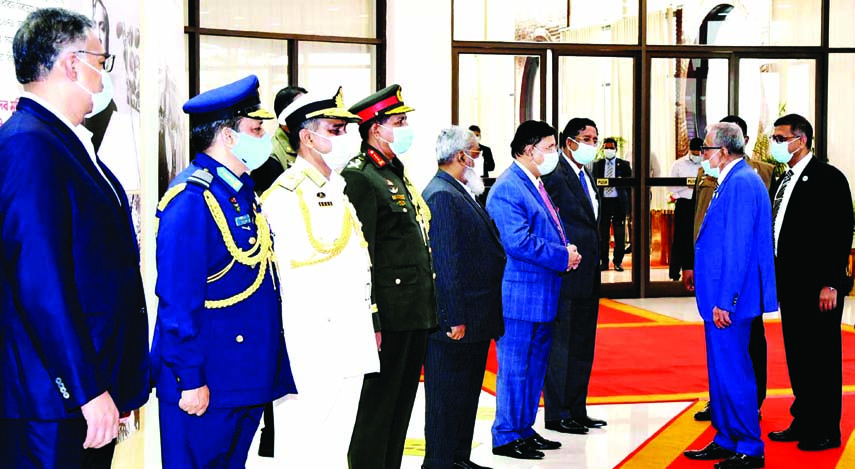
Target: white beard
473,181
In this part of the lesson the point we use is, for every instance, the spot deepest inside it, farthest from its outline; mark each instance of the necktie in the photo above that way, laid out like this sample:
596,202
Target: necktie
610,173
548,202
584,182
779,197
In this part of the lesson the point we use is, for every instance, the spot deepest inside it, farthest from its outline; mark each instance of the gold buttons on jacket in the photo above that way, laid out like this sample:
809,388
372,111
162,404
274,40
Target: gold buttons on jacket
239,339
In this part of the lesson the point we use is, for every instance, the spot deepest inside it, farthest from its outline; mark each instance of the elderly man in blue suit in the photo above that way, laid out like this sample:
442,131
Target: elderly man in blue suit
73,323
538,254
735,282
469,261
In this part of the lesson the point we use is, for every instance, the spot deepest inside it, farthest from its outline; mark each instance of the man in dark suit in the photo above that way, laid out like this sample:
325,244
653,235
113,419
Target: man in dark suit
73,323
395,222
469,261
538,254
572,356
486,153
615,204
812,212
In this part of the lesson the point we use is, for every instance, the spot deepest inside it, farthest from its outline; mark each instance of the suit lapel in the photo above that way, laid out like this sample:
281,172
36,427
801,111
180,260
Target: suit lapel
575,185
540,203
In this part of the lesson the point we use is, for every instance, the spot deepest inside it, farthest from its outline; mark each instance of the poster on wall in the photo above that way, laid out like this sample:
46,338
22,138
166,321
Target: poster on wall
116,130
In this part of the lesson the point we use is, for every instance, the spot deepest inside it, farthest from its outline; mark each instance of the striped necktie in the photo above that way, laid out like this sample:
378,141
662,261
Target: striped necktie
610,173
779,197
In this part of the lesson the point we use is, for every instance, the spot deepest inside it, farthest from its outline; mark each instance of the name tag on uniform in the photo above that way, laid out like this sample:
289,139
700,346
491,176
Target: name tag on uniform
690,181
602,182
243,220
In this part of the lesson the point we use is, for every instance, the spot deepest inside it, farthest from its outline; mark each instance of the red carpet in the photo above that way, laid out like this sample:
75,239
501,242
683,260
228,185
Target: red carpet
665,449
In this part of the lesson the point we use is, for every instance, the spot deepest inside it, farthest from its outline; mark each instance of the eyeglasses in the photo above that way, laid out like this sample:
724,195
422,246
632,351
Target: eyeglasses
705,148
473,154
108,58
781,138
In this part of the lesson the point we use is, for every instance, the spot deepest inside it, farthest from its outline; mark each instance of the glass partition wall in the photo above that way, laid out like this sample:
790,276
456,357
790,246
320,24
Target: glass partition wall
654,74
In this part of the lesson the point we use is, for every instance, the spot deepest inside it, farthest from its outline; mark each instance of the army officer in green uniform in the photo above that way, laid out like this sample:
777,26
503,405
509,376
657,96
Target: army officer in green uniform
395,222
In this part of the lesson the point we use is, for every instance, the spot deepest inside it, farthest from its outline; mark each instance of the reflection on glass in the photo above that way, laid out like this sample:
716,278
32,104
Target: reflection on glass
226,59
350,18
498,92
744,23
686,95
771,88
841,114
326,66
842,34
576,21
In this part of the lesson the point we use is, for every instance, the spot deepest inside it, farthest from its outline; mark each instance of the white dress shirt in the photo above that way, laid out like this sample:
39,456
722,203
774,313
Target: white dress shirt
684,168
534,180
797,170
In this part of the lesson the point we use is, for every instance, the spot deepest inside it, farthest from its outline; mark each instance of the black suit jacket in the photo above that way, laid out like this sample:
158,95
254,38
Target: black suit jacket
468,259
622,170
580,226
487,155
816,232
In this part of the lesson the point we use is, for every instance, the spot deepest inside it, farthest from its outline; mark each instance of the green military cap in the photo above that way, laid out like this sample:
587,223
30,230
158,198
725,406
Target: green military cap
385,102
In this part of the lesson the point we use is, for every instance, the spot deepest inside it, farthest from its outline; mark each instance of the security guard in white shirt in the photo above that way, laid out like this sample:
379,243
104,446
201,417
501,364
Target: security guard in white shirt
325,269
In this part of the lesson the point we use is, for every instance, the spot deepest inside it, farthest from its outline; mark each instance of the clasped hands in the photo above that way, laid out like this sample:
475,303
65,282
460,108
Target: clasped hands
574,258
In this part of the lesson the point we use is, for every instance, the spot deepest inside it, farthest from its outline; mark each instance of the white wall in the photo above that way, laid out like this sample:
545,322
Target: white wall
419,59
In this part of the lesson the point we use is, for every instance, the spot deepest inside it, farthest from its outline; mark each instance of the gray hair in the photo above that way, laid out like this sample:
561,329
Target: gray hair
452,140
729,136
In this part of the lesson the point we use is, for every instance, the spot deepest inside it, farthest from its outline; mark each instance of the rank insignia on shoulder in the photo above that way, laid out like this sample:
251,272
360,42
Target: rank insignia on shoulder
356,163
325,203
243,220
321,195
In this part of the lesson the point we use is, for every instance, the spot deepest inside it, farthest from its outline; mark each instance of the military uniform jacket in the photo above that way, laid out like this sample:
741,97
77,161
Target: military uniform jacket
395,222
73,322
218,321
326,275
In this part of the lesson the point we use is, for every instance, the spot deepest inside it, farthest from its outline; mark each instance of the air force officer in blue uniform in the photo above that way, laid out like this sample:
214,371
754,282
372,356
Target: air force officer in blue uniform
538,254
73,324
735,282
219,349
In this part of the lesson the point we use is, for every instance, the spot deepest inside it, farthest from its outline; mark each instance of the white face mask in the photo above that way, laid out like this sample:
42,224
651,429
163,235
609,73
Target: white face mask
101,99
473,180
550,161
339,154
696,158
584,153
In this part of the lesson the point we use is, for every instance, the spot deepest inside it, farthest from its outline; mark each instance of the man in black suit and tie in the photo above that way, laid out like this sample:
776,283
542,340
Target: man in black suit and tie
572,355
615,201
812,217
487,161
469,262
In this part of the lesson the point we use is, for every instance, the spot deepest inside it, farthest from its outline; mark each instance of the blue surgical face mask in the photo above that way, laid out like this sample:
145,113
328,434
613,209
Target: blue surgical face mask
780,153
550,161
252,151
402,139
714,172
584,153
101,99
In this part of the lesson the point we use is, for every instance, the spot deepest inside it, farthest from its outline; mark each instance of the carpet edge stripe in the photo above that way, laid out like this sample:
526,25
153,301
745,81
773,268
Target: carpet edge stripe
659,449
640,312
847,458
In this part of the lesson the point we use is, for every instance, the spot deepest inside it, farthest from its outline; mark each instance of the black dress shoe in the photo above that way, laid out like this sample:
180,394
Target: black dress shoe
566,426
518,449
784,435
468,464
704,415
819,445
741,461
591,423
710,452
618,268
540,443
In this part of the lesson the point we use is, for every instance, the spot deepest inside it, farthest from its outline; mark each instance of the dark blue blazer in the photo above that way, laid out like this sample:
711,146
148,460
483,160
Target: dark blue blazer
468,260
73,322
622,170
580,226
734,259
536,256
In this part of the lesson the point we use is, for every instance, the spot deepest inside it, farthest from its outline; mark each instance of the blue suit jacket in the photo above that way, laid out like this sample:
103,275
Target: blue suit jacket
73,322
734,263
581,227
536,256
468,259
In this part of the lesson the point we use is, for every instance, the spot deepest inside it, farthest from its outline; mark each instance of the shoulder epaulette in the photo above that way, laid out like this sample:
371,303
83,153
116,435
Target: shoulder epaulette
357,162
291,179
202,178
170,194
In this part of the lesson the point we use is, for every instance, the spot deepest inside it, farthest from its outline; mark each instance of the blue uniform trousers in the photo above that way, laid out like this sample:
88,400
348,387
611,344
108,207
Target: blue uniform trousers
50,445
522,353
220,438
733,387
